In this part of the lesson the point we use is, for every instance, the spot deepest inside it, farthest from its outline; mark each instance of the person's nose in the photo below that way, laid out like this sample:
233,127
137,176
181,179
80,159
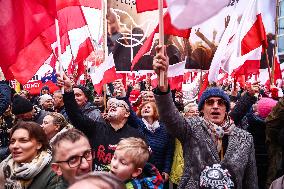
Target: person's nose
84,164
215,105
14,145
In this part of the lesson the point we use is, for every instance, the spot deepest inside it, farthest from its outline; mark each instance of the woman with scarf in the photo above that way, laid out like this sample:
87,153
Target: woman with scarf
28,165
161,143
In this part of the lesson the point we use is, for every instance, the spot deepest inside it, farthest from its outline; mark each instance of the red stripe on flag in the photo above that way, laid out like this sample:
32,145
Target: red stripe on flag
60,4
21,26
109,76
85,50
255,37
148,5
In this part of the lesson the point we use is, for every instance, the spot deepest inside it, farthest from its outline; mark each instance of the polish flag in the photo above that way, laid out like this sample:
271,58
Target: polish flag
175,76
277,69
240,50
103,74
22,49
188,13
169,29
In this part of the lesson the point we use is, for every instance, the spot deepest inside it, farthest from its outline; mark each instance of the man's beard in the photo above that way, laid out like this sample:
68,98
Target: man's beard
112,115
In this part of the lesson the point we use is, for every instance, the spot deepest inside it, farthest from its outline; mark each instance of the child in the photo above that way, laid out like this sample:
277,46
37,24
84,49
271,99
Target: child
129,165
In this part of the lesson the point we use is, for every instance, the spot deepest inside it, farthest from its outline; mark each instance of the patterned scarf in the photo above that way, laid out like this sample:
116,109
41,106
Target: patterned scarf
151,127
20,176
217,132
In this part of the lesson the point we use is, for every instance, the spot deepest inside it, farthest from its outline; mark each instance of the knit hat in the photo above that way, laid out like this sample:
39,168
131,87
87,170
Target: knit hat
44,98
21,105
215,177
264,106
44,88
214,92
87,92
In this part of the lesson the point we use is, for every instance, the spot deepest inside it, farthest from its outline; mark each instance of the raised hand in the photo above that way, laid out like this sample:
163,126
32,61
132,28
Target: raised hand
161,63
64,82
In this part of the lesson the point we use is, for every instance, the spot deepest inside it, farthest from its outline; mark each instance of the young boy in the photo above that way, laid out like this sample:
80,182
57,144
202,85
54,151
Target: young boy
129,164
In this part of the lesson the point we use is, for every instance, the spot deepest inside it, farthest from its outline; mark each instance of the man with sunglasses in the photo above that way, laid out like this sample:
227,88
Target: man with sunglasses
103,136
209,140
72,156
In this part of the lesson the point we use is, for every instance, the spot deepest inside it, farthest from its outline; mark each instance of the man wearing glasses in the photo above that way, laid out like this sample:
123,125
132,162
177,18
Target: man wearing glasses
72,156
103,136
217,154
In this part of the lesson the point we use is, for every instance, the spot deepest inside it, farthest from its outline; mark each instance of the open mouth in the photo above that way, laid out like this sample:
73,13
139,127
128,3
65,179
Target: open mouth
215,113
16,154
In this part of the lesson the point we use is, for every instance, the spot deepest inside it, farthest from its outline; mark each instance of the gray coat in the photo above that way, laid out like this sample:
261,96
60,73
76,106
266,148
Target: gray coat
199,149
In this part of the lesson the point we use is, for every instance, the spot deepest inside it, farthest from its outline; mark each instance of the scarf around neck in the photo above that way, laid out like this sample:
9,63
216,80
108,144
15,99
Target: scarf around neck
217,132
20,175
151,127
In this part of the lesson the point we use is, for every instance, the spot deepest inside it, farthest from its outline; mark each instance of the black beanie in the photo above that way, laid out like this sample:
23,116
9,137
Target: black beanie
21,105
86,91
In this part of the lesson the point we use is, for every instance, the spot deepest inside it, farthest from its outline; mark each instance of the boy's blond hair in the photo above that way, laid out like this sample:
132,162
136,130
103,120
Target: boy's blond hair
136,149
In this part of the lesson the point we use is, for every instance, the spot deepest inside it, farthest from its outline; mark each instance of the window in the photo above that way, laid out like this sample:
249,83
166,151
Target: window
281,28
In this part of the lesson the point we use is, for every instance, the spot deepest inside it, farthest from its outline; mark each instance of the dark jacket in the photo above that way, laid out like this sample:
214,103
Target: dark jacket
274,125
47,179
5,96
162,146
200,151
102,136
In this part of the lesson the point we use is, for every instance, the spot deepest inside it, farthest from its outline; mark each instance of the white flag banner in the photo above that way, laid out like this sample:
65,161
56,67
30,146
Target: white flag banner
188,13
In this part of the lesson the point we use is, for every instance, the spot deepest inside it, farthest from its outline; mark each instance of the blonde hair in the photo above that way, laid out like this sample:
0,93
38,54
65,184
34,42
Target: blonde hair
135,147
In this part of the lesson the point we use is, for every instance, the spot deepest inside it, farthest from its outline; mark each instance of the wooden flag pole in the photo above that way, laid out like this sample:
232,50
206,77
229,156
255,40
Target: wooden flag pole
105,47
161,38
59,51
268,66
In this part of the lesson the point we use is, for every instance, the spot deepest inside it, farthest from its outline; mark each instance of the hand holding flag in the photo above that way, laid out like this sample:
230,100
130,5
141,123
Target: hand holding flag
161,63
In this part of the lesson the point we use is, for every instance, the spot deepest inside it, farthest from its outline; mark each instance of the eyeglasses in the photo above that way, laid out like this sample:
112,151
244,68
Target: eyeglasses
75,161
117,104
211,102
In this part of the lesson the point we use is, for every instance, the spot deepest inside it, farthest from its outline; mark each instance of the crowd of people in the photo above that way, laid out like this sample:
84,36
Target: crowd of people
228,138
225,139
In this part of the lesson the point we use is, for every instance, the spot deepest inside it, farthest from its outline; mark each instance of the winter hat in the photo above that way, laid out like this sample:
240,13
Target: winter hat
214,92
215,176
87,92
264,106
44,98
44,88
21,105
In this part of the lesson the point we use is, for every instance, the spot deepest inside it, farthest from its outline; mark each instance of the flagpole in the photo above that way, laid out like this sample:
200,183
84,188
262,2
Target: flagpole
268,66
59,51
161,38
105,44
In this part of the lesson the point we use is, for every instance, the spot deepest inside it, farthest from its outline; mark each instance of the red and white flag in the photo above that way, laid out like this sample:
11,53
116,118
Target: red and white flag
103,73
188,13
277,70
245,44
169,29
175,76
22,48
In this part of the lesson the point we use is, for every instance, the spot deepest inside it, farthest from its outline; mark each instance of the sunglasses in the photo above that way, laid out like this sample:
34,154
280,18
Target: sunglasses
211,102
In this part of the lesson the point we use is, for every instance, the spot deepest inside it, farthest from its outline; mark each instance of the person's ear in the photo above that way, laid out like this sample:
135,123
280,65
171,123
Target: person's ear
57,127
127,114
136,172
56,168
39,145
